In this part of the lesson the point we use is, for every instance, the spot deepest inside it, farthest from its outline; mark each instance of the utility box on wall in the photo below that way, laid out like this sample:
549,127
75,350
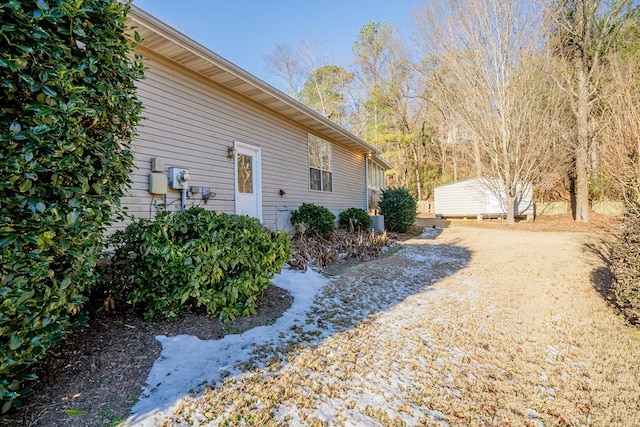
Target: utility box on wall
158,183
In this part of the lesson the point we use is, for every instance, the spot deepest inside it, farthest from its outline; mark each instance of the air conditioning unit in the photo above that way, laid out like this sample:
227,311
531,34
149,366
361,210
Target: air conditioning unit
377,222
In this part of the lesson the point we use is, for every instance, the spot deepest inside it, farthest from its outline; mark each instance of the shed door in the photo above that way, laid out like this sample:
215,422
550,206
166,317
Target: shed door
248,181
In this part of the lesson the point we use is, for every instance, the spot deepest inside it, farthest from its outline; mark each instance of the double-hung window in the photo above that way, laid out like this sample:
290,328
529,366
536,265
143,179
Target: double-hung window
320,174
376,176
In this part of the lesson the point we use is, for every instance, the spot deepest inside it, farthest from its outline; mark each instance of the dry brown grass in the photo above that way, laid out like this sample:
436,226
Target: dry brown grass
478,326
544,223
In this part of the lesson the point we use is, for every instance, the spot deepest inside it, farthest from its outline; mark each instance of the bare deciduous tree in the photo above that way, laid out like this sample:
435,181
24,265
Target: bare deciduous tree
621,129
293,65
395,121
285,63
494,87
582,34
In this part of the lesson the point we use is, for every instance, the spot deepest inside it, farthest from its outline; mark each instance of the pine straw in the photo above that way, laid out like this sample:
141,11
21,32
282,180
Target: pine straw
481,328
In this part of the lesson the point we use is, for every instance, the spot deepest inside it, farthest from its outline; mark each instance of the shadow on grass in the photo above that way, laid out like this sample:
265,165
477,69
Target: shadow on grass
359,291
357,295
603,281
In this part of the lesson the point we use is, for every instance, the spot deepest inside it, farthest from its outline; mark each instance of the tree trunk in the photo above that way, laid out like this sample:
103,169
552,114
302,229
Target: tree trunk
454,161
477,156
581,213
417,171
511,206
582,184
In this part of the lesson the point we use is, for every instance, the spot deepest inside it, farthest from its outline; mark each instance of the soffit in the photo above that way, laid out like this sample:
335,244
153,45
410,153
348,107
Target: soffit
170,43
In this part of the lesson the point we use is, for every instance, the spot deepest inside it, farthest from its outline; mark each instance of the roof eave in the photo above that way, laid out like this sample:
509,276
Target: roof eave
166,41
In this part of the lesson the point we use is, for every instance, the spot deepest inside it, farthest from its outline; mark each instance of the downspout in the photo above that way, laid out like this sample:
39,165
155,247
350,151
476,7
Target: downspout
183,199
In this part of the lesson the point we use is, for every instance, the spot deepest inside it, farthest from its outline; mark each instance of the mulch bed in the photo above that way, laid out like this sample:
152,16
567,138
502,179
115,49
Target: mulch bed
95,376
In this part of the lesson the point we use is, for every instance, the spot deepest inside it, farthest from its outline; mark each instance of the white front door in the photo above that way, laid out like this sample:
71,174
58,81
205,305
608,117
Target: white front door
248,181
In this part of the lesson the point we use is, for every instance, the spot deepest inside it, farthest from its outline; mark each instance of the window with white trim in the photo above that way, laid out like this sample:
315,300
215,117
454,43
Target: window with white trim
376,177
320,172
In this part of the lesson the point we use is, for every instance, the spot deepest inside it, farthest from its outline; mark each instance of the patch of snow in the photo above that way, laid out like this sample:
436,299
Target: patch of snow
186,363
431,232
532,413
320,312
543,376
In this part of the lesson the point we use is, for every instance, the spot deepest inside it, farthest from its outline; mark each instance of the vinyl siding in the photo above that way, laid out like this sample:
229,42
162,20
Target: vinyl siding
189,123
460,199
470,198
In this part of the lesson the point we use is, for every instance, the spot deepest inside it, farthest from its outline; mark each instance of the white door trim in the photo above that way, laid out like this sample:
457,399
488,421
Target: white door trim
256,152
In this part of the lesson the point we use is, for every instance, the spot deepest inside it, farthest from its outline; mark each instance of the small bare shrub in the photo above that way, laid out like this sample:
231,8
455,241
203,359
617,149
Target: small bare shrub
320,252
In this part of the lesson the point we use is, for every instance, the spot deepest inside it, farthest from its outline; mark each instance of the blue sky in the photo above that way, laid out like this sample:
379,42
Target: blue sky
244,31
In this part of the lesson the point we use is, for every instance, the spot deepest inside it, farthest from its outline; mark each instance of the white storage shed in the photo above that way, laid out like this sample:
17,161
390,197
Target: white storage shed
477,197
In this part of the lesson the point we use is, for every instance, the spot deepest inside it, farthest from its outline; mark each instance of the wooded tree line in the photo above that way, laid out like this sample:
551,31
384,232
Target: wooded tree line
546,91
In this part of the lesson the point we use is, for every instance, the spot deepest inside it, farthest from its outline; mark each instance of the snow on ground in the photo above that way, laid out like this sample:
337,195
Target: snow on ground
186,363
459,327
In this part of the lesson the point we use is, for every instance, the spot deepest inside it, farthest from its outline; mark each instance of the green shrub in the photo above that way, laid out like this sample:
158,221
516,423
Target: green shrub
318,220
399,207
68,111
195,258
625,266
357,218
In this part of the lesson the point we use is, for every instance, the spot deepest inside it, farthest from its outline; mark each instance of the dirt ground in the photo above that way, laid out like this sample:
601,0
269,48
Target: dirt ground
509,330
478,324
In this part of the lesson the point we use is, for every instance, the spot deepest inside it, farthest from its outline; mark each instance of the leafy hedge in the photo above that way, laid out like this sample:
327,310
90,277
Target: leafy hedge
68,110
317,220
357,218
399,207
625,265
195,258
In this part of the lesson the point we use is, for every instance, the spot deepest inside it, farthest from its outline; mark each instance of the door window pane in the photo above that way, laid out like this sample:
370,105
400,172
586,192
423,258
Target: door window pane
245,174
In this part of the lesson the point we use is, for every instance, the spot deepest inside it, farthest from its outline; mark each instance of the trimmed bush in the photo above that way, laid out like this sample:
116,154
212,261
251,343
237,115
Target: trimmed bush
399,207
357,218
625,266
195,258
68,111
317,220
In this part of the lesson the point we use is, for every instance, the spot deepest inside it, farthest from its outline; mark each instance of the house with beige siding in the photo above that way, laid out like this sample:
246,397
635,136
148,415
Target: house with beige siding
216,136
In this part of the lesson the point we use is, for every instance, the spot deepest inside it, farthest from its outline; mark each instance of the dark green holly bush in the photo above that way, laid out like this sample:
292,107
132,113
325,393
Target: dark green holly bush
357,218
317,220
625,266
195,258
399,207
68,110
